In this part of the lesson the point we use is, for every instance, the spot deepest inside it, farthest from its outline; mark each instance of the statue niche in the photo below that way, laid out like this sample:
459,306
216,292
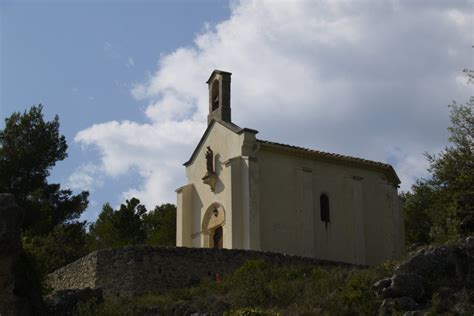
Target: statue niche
210,178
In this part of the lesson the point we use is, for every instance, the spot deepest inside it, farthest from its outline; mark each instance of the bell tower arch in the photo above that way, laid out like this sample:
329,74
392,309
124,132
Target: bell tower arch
219,96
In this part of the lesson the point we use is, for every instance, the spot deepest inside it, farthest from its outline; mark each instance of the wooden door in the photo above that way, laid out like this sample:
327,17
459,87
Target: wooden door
217,238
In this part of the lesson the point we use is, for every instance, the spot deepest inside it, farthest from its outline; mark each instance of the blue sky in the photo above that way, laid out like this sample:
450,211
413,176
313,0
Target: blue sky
127,79
80,60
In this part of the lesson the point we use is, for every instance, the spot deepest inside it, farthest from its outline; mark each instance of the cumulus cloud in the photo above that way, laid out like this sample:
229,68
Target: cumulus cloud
86,177
368,79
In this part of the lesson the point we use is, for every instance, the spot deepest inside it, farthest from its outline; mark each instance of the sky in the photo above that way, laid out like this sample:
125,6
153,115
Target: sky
370,79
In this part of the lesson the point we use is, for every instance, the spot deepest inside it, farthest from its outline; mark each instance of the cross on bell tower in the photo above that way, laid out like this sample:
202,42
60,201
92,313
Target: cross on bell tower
219,96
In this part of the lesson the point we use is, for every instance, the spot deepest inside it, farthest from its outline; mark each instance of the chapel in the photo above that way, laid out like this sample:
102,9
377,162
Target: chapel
246,193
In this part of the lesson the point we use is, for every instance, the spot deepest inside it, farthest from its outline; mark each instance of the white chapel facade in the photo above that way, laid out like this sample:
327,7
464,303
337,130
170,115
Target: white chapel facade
247,193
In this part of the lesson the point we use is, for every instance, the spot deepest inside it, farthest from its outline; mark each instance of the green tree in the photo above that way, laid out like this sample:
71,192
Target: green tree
118,228
29,148
442,207
160,225
64,244
418,207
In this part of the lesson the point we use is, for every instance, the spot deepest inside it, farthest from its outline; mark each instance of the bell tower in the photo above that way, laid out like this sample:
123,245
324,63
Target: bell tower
219,96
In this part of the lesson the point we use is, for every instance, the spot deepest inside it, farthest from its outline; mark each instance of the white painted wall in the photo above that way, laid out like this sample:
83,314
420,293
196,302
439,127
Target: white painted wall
365,225
271,202
231,192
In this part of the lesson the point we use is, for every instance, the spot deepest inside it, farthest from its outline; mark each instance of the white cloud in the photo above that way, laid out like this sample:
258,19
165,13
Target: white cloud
370,79
86,177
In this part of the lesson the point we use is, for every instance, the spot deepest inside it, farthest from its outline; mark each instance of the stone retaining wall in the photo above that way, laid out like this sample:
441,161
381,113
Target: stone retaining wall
137,270
79,274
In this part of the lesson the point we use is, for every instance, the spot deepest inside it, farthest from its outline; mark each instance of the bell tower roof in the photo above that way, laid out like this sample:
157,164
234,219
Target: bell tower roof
218,72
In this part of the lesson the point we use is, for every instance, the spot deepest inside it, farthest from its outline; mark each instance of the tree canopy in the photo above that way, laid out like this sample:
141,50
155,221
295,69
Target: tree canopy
442,207
132,224
118,228
160,225
29,148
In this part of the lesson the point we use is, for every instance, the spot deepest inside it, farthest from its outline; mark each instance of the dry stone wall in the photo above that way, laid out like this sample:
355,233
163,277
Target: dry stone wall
137,270
79,274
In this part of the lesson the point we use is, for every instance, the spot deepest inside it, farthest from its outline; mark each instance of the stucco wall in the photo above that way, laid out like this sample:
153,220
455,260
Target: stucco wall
137,270
228,191
365,216
271,199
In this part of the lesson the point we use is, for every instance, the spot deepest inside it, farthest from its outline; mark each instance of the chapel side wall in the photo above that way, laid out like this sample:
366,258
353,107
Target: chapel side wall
385,225
361,222
280,220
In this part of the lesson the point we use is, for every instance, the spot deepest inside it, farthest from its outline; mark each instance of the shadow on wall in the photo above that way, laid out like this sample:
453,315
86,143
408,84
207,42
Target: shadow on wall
218,169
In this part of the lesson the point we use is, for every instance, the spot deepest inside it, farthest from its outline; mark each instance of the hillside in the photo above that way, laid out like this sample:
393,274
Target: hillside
432,281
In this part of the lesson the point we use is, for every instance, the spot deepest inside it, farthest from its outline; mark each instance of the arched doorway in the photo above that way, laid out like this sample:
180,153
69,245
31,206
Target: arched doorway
213,231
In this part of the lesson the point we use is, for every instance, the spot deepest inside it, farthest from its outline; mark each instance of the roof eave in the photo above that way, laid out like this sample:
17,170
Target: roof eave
216,71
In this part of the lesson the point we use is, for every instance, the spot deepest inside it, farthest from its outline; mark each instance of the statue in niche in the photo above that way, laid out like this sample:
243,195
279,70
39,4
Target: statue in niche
210,178
209,160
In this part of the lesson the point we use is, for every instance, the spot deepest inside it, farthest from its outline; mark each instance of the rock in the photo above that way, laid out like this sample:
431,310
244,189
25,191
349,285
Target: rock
405,284
65,301
444,299
448,260
19,289
219,307
437,277
180,308
380,285
391,306
453,262
406,303
468,243
429,262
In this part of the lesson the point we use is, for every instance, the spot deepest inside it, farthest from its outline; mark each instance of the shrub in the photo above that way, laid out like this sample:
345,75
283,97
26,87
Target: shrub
250,283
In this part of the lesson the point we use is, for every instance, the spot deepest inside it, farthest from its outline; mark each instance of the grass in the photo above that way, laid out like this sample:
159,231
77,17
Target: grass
257,288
